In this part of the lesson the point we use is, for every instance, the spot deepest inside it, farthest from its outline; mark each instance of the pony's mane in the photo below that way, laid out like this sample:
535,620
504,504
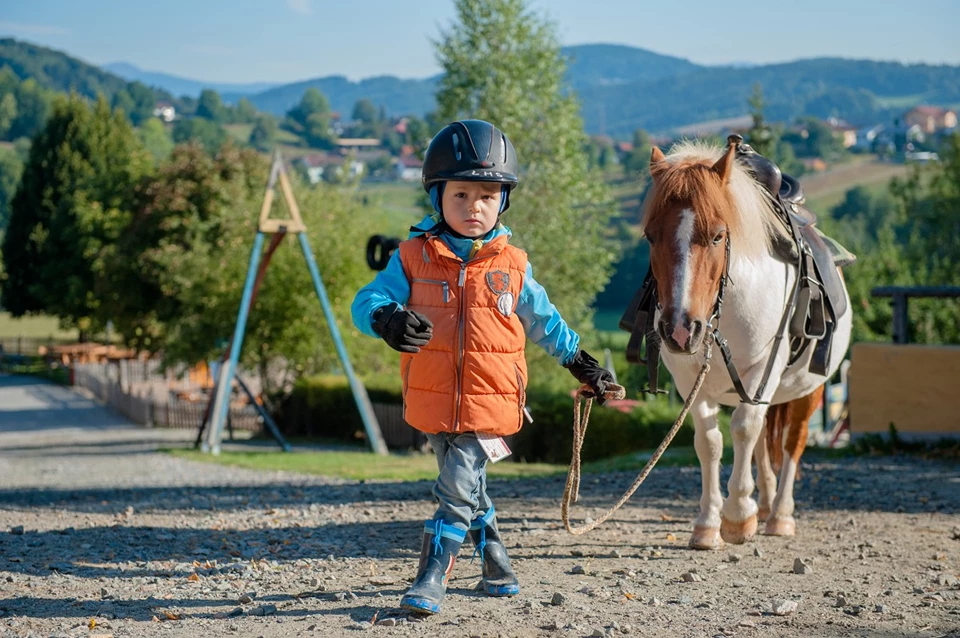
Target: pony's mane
751,233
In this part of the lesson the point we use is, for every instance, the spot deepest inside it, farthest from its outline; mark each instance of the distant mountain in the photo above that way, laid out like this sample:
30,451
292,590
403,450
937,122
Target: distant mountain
590,65
859,91
57,71
179,86
398,97
620,88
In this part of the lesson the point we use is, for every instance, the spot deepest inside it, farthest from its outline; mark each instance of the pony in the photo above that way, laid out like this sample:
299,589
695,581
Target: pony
711,225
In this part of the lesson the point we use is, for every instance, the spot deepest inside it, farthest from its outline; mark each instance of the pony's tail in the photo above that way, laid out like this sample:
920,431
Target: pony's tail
776,422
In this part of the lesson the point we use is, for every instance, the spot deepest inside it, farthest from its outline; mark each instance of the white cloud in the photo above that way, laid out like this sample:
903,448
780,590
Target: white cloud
300,6
32,29
211,49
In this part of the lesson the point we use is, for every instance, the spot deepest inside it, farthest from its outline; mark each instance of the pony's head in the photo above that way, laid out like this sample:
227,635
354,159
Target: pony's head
701,204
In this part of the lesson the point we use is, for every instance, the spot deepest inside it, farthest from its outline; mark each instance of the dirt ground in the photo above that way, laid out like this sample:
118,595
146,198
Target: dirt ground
100,535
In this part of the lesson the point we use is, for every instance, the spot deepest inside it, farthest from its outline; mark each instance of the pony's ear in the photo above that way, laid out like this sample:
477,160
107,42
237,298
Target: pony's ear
724,165
657,161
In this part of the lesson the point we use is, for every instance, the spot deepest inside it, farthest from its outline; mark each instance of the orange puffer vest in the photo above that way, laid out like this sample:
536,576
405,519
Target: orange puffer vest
471,376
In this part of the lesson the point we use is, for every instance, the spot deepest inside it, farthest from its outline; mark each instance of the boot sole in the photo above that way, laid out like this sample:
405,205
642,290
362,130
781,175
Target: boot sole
501,590
420,605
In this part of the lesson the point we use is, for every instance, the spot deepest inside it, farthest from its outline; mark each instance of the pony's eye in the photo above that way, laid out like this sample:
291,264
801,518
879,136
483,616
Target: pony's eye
718,238
650,238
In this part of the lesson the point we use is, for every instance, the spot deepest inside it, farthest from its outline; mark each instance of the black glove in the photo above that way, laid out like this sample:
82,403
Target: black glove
587,370
403,330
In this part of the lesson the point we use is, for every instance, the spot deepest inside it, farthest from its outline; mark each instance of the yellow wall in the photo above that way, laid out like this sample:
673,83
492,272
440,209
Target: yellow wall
916,387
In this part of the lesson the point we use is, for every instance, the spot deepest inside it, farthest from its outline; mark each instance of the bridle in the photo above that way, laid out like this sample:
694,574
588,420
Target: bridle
645,303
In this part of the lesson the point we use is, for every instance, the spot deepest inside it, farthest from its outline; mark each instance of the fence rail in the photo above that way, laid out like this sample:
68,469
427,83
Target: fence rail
150,411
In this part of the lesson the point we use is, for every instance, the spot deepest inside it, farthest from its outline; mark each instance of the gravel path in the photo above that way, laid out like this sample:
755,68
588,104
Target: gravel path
100,535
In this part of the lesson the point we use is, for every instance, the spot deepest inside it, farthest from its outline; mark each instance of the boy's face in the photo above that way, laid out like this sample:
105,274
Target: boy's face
471,208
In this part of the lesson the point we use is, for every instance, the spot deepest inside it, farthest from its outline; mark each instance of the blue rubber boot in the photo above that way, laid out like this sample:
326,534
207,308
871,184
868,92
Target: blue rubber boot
441,542
498,576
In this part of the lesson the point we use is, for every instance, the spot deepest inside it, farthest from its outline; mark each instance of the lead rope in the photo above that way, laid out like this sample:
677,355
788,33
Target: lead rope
571,492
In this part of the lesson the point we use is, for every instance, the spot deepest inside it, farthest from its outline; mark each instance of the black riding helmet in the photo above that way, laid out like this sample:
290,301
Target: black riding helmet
470,151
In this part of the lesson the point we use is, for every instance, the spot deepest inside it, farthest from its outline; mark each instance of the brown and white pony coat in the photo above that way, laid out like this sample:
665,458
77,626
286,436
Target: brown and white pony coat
700,200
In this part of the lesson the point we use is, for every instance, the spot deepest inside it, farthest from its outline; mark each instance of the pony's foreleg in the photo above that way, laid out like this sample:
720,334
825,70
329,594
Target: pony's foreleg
799,411
738,522
709,445
766,477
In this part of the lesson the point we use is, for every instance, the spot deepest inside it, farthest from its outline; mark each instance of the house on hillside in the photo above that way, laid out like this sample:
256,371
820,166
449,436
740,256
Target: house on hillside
347,144
313,165
165,111
867,137
408,168
930,119
843,131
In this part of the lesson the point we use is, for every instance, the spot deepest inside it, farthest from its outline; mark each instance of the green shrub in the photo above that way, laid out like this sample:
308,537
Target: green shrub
324,406
610,432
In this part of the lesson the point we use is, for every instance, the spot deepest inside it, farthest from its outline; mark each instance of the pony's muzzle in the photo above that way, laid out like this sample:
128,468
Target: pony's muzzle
681,335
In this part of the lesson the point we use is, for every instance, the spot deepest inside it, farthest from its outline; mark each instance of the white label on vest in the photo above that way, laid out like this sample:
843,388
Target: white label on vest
493,446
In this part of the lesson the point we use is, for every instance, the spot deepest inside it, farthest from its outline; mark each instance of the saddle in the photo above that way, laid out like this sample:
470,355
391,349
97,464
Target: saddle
821,296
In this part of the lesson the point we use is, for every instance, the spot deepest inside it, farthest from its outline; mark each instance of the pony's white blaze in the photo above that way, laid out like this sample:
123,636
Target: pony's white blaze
683,275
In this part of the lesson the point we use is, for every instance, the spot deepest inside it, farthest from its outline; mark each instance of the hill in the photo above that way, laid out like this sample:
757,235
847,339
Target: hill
57,71
179,86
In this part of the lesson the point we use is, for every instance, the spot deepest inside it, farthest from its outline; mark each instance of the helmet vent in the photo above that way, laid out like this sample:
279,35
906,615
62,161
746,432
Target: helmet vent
503,149
456,145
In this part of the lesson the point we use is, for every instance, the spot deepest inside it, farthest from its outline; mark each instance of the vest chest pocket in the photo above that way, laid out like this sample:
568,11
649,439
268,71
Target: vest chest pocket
436,282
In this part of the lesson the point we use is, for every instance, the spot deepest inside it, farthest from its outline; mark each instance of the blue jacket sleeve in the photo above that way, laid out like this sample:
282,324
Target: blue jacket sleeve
542,321
389,286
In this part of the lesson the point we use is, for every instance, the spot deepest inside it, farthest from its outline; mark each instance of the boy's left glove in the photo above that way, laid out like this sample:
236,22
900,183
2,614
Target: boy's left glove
587,370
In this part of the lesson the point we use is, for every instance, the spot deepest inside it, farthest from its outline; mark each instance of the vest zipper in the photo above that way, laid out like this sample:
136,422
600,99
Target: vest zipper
436,282
461,283
406,386
521,393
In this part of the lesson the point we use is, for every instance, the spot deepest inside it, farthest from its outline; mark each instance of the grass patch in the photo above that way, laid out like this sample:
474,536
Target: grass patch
36,326
360,465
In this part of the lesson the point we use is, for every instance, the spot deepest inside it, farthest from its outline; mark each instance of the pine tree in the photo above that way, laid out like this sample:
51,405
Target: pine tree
75,199
503,64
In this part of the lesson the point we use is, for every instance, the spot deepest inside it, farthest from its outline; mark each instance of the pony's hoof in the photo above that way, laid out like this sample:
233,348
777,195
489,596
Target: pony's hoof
706,538
783,526
763,513
738,532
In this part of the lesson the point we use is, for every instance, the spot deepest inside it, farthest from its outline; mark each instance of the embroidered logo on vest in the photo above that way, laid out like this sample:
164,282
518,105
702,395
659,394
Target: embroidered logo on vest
498,281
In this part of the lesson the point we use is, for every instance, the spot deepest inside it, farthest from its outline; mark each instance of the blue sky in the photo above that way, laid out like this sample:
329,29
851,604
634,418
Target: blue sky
286,40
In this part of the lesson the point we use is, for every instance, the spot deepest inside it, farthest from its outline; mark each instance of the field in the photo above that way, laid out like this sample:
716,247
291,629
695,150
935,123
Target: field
826,190
34,327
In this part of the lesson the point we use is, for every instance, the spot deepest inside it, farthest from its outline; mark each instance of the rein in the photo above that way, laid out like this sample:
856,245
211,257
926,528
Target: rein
571,491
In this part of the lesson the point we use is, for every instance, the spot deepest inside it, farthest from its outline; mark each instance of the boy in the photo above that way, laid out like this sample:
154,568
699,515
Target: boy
458,301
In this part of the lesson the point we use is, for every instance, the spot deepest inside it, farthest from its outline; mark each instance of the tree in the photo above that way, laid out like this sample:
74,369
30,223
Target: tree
760,136
502,63
8,113
366,114
209,107
155,138
638,159
33,106
418,134
192,237
208,134
916,243
311,119
10,169
75,199
264,133
245,112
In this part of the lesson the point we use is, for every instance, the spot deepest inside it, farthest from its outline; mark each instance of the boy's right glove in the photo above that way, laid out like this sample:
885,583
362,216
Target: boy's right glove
587,370
403,330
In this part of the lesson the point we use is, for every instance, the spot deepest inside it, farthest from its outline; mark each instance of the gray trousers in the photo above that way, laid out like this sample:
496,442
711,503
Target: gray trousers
461,487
